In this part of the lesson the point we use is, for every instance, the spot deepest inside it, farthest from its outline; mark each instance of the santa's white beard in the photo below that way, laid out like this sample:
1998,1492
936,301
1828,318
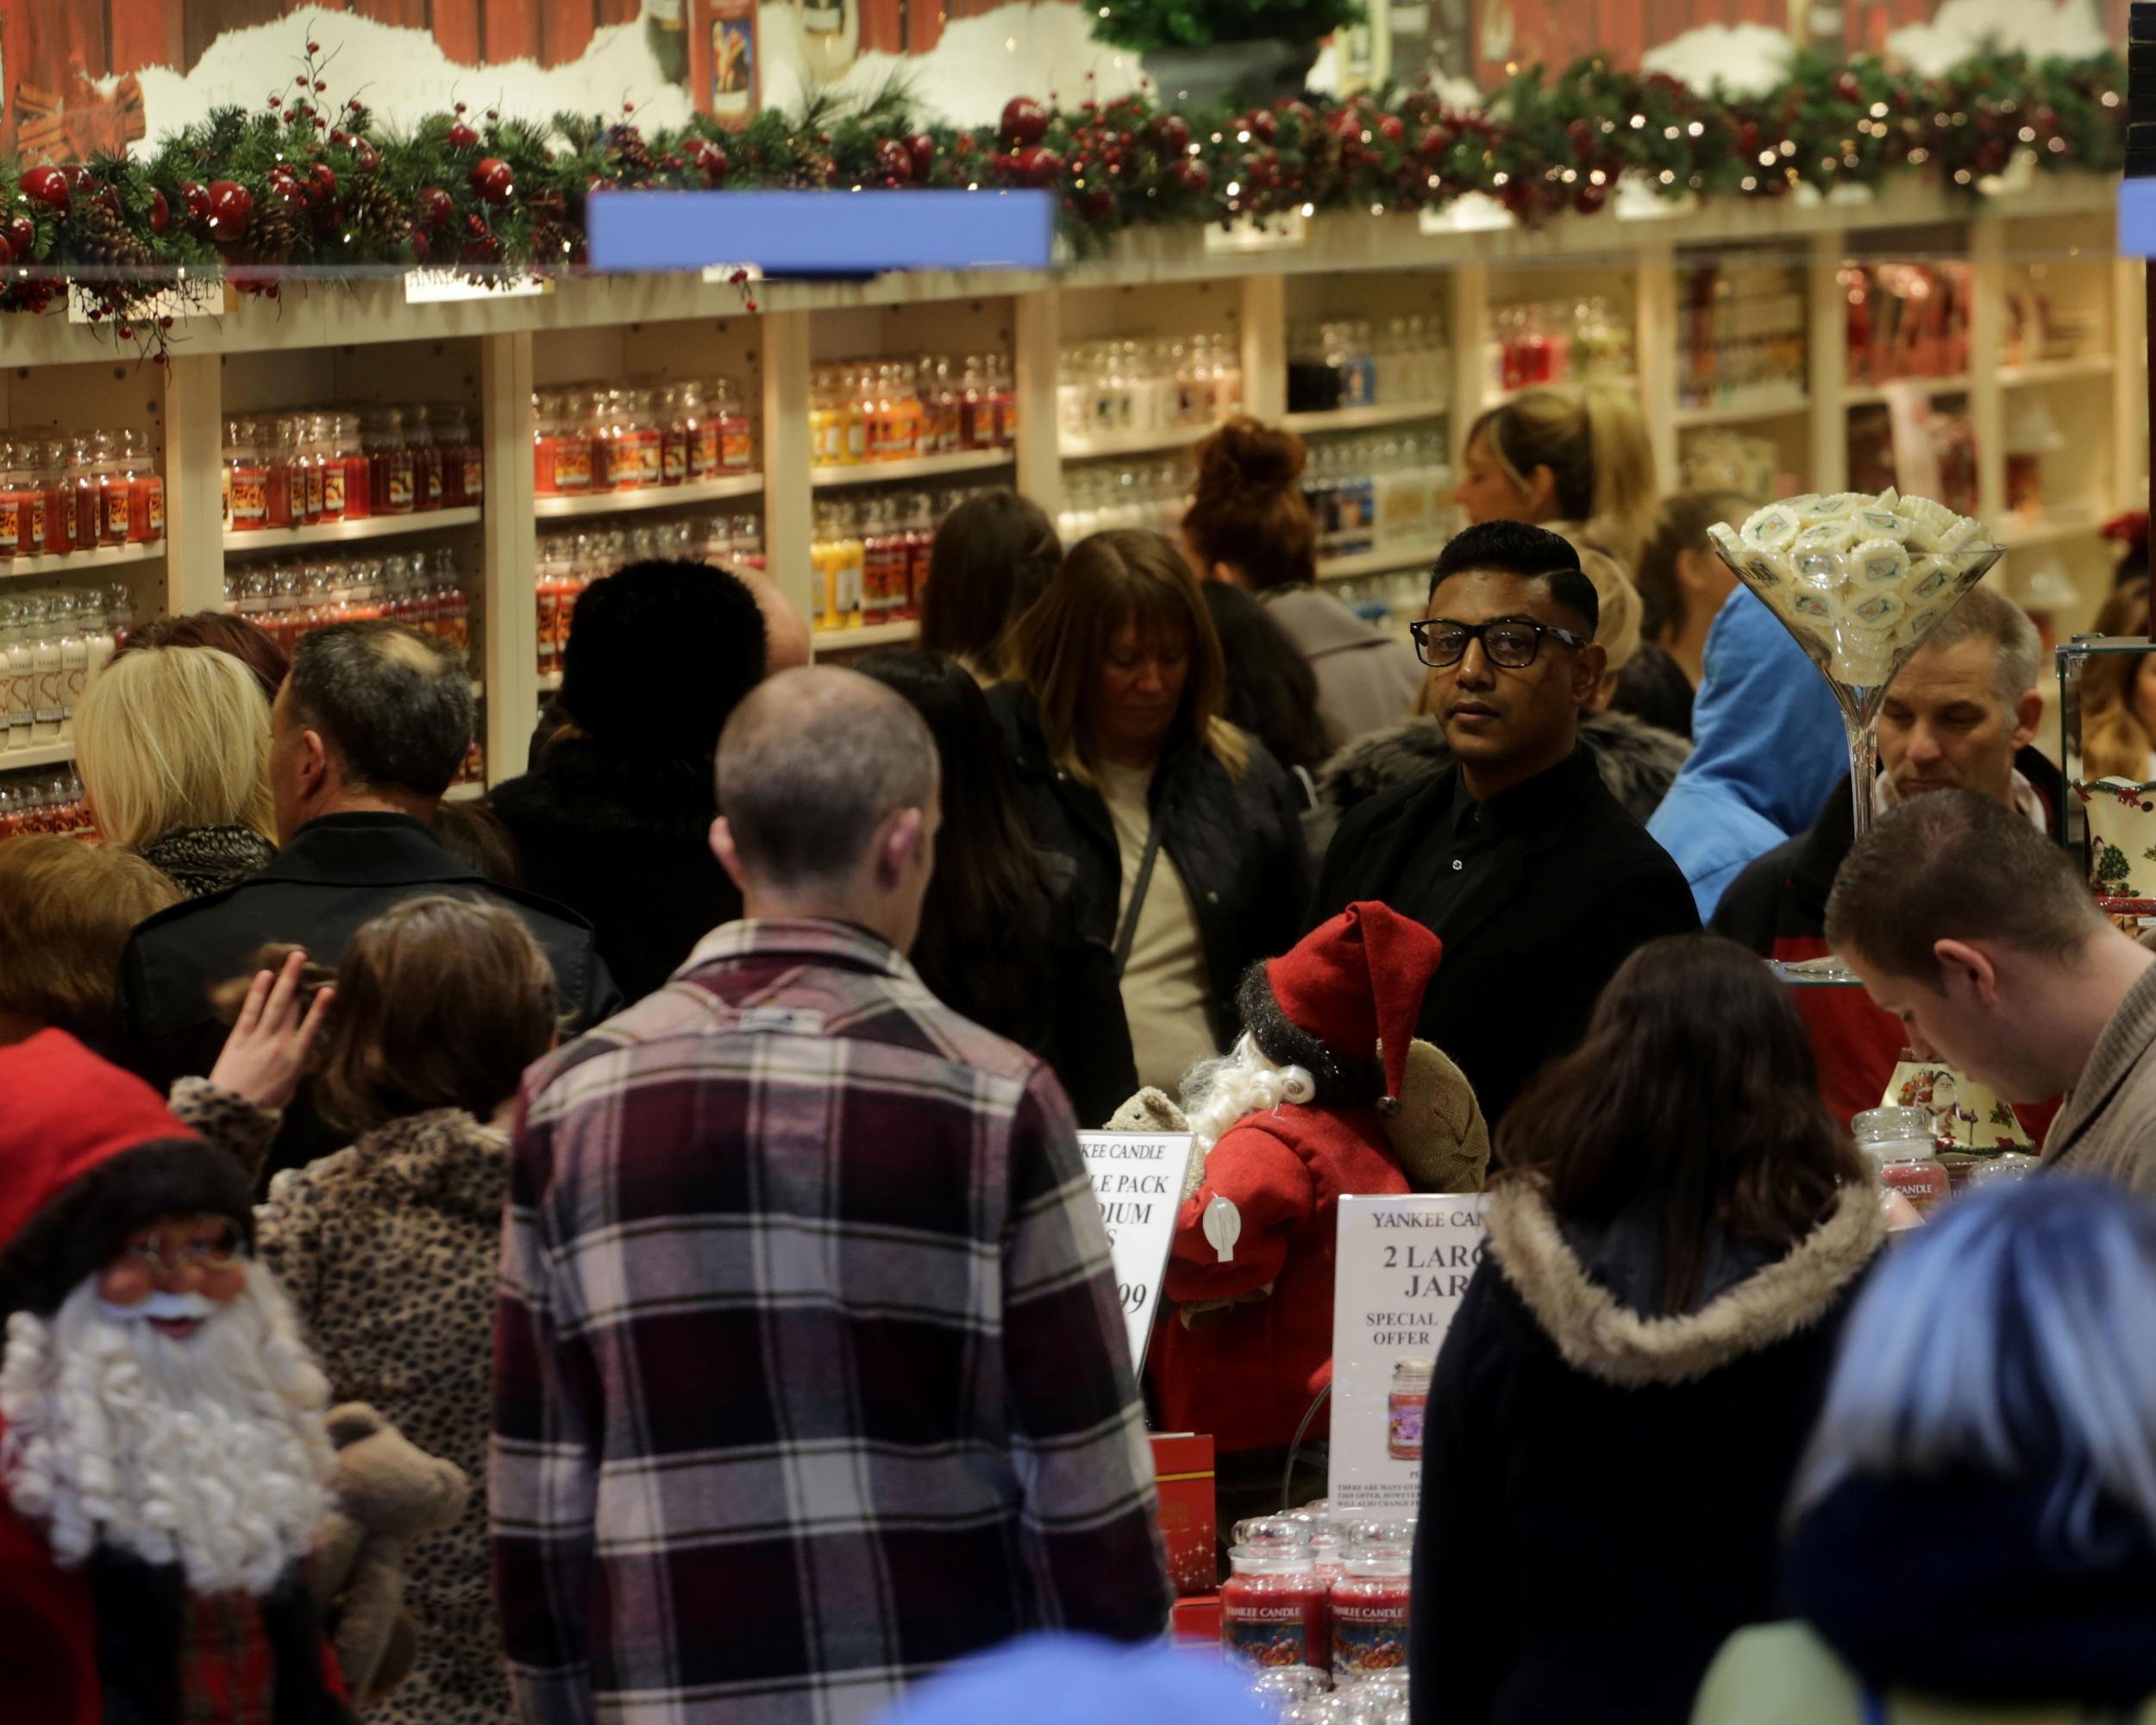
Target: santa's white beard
1218,1093
207,1452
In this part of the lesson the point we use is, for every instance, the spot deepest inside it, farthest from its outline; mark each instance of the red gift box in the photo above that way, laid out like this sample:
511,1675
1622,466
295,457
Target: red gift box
1182,1469
1195,1623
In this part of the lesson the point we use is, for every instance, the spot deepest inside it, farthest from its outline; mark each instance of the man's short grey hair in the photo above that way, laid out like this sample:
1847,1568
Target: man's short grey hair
2018,652
392,706
811,765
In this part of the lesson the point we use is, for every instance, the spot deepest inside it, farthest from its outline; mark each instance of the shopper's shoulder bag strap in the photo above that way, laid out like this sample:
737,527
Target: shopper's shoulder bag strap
1127,934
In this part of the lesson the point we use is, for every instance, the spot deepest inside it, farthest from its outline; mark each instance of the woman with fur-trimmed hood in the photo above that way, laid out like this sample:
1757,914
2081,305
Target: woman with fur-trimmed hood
1620,1405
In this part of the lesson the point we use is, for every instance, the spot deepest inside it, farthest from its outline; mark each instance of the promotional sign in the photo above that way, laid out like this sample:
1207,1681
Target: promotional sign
1402,1266
1138,1178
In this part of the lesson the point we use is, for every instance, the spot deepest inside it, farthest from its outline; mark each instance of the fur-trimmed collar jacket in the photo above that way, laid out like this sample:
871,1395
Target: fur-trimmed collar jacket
1636,760
1602,1488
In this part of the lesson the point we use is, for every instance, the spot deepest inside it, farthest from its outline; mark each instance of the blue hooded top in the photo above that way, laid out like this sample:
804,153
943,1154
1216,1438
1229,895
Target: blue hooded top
1768,747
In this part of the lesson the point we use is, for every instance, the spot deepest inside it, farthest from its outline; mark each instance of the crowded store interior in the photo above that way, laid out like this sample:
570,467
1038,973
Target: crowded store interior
1226,863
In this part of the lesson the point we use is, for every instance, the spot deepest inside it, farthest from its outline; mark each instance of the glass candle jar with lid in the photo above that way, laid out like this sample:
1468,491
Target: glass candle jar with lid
1370,1600
1274,1613
1903,1155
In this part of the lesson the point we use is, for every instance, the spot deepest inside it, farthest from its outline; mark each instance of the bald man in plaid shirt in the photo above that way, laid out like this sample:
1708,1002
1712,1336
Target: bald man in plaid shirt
810,1372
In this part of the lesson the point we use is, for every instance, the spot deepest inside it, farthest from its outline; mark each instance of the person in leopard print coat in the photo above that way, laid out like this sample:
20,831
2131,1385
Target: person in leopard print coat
387,1248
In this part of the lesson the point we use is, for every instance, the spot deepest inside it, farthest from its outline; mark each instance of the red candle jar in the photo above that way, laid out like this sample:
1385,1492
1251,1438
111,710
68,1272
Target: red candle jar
1273,1612
392,487
426,460
115,488
146,517
736,437
1900,1144
1369,1612
246,477
673,438
59,512
699,430
280,452
359,482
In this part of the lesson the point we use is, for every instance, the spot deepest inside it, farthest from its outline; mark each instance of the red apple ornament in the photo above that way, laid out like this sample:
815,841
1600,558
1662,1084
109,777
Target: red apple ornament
49,186
494,180
231,209
1025,123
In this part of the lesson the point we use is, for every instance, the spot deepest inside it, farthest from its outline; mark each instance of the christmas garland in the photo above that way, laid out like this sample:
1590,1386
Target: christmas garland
297,185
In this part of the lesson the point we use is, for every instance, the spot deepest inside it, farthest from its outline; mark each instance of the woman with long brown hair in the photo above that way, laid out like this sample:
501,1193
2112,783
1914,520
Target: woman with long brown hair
1674,1239
1182,831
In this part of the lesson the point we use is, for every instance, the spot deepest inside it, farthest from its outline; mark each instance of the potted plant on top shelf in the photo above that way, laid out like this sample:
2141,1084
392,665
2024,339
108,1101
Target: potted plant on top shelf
1197,51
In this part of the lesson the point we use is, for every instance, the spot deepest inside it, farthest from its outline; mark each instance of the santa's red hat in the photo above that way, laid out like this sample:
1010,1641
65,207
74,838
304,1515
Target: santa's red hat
1348,985
88,1155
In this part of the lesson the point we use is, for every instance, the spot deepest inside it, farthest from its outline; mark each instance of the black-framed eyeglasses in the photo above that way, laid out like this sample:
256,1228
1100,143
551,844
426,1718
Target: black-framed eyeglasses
1511,641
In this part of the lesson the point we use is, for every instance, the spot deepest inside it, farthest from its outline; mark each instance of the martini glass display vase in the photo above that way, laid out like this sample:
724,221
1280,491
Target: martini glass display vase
1860,583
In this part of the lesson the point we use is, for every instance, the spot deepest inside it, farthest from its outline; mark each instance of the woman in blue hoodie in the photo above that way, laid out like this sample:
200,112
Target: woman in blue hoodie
1767,747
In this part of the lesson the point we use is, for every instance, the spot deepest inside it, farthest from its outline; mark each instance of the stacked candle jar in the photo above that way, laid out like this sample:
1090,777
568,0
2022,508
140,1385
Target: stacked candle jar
37,803
318,468
1107,388
426,591
1357,364
869,411
1583,342
870,555
52,645
568,562
63,496
1099,498
1742,337
1316,1604
593,439
1378,491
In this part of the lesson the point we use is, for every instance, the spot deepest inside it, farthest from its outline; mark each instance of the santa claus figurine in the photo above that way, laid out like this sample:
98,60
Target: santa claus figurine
163,1464
1326,1095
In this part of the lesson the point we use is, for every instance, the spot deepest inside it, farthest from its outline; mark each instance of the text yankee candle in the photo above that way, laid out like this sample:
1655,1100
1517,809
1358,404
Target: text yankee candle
1403,1264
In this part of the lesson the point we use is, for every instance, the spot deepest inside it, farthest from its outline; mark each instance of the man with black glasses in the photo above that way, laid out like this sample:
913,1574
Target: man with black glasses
1518,857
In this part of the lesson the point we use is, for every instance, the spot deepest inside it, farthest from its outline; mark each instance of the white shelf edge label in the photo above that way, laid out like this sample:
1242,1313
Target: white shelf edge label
439,287
1259,234
720,274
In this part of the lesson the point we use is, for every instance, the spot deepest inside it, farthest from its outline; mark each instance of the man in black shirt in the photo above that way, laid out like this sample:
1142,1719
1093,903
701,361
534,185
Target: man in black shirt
1518,858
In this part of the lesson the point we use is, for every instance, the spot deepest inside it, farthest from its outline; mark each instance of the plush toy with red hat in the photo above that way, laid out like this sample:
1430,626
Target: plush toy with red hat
163,1463
1327,1094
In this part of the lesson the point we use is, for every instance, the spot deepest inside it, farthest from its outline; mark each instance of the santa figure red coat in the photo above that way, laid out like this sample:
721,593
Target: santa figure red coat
164,1462
1304,1111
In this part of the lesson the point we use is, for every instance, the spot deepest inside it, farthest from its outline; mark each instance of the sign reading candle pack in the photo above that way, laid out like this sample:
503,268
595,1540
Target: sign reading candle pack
1138,1178
1402,1266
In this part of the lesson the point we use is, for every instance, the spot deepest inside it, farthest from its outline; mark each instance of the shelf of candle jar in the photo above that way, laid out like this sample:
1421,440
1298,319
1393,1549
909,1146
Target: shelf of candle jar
1498,397
1132,442
662,497
916,467
344,532
1743,411
863,636
1872,394
1365,418
2017,531
2075,368
39,755
1383,560
78,562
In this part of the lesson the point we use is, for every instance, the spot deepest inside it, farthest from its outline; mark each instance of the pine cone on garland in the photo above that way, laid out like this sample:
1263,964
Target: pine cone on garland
375,212
279,227
104,238
628,155
556,244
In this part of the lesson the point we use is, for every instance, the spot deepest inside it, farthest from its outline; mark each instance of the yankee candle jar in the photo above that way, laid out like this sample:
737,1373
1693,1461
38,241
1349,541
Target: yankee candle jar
1273,1612
1404,1406
1899,1144
1369,1612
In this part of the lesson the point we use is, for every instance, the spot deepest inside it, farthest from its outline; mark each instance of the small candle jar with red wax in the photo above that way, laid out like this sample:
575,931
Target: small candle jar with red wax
1274,1611
1369,1604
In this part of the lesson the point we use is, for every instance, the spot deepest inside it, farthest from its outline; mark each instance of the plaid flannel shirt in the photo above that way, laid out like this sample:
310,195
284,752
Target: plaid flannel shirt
810,1373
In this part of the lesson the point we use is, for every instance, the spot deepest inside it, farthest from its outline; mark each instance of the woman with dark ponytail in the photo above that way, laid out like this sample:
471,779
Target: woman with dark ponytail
1248,526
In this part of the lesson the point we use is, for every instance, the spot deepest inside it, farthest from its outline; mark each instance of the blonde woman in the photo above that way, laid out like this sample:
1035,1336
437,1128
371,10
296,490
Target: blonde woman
2118,696
173,745
1576,462
1183,833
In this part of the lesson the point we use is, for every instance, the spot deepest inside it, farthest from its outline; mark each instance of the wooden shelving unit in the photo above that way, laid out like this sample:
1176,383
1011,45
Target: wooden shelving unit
363,342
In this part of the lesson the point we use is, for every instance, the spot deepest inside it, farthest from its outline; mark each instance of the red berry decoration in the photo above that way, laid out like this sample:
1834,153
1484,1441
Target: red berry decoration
49,186
7,254
1300,115
1433,144
1025,123
494,180
920,150
894,162
435,207
1263,126
160,212
231,209
1347,123
1174,133
1390,128
709,160
1034,165
462,137
323,180
1192,175
1588,199
20,233
364,156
